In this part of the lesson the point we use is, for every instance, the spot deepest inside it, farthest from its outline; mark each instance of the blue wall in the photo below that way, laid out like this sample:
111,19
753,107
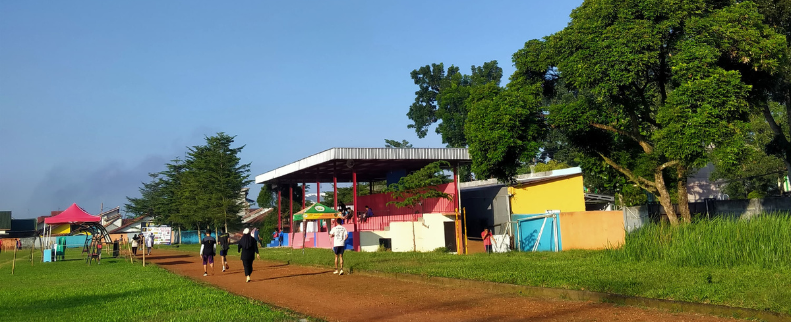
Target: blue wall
529,229
191,237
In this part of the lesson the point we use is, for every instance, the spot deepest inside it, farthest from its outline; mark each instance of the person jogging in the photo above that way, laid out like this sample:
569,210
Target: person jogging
338,235
225,243
207,247
248,246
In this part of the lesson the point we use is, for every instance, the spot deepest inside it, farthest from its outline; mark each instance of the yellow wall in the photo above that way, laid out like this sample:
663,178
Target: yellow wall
566,195
62,229
591,229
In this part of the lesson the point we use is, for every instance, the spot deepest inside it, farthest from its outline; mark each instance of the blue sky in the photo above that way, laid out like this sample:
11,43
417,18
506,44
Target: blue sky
95,95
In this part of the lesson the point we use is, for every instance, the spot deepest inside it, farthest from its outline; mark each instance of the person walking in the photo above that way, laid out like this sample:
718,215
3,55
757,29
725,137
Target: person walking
150,242
225,243
338,235
248,246
487,240
135,240
207,248
254,234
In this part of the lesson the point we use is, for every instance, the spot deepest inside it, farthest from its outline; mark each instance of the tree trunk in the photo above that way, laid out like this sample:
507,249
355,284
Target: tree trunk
179,235
683,200
664,198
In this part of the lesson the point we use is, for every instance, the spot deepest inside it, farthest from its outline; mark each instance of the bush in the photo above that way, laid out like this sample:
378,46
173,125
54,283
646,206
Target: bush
763,240
268,226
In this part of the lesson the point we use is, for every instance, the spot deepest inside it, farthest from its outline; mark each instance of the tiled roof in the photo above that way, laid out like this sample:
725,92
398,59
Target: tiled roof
116,209
128,222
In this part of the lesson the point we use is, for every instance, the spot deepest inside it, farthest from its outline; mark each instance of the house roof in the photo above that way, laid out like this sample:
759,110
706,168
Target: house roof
370,164
525,179
125,223
107,212
255,215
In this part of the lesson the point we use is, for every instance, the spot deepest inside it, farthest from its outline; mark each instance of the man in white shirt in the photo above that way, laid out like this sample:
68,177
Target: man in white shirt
338,235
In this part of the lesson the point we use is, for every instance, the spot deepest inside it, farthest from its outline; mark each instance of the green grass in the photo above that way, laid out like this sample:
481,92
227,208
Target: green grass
744,286
763,241
117,291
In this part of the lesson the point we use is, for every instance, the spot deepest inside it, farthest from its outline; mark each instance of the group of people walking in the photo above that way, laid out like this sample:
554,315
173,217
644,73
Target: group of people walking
140,239
247,246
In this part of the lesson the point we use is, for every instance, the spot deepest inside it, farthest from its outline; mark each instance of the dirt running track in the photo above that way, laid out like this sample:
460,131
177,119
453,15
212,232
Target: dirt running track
319,293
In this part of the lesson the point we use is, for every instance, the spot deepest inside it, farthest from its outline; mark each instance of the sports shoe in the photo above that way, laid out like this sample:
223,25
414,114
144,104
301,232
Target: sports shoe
205,274
223,269
341,272
335,272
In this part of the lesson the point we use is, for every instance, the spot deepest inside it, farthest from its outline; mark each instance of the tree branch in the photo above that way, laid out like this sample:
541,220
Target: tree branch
640,181
647,148
666,165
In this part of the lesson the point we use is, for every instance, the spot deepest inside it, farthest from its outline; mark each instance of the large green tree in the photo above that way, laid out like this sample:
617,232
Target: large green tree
659,88
213,182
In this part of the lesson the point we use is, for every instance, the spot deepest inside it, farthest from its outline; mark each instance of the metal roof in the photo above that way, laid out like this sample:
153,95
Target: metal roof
525,179
371,164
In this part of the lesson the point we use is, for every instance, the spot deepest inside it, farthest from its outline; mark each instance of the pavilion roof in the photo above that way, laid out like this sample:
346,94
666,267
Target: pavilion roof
370,164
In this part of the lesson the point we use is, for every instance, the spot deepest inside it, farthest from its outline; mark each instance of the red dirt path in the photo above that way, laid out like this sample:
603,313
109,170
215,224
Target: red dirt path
319,293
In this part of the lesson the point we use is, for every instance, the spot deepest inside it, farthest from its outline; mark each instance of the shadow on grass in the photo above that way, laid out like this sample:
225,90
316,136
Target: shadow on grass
78,301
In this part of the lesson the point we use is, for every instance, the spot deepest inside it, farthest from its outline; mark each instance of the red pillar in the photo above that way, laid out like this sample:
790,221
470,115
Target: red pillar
335,190
279,212
356,234
291,208
318,192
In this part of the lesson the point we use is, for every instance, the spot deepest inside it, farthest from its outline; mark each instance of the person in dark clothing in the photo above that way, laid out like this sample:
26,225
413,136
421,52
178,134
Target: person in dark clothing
225,243
248,246
207,247
135,242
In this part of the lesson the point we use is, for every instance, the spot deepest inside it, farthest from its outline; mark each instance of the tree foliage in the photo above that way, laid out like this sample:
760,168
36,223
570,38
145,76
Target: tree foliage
396,144
413,189
202,191
442,97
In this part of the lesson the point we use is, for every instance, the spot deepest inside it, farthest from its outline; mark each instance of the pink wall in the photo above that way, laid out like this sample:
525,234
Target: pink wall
378,203
322,240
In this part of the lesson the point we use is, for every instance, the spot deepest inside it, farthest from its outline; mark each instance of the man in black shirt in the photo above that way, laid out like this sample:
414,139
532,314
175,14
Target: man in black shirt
224,245
207,248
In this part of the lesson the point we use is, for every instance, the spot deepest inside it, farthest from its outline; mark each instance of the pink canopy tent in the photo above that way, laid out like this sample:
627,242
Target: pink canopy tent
73,214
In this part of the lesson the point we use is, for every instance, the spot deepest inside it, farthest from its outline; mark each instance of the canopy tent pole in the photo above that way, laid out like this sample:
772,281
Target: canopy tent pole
303,195
356,234
290,208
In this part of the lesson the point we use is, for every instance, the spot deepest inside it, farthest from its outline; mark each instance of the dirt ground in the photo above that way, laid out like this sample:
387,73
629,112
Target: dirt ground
358,297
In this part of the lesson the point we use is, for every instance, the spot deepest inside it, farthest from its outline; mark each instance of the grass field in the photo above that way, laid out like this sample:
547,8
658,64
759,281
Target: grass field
117,291
743,286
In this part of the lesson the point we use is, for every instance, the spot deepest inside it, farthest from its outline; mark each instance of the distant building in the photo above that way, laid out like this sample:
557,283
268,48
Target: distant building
700,187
